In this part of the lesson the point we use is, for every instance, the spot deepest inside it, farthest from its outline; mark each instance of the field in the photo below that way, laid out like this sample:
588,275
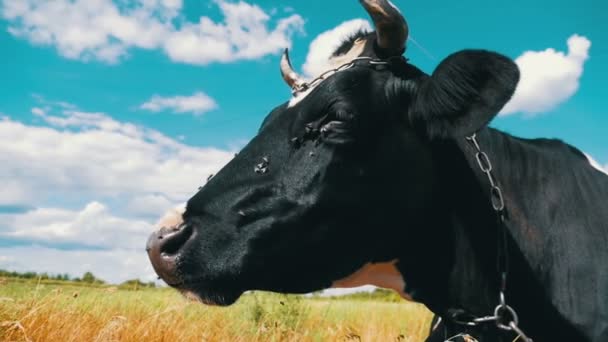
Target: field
64,311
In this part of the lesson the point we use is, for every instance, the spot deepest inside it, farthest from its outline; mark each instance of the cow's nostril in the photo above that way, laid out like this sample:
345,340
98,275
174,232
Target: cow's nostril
174,240
163,247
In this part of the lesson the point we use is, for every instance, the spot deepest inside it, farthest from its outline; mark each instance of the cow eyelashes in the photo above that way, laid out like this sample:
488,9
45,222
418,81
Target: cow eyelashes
326,128
343,115
334,127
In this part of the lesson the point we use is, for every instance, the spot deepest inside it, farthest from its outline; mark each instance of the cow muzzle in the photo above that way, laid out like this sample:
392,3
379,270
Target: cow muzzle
164,248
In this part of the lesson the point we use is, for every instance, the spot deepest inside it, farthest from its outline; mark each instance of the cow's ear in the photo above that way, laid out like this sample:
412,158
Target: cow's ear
464,93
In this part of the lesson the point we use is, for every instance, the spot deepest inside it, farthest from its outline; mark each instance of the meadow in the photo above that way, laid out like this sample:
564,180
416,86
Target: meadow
33,310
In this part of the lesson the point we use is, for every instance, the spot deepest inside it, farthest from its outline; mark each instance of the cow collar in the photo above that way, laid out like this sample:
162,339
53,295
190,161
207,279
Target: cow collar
302,87
504,316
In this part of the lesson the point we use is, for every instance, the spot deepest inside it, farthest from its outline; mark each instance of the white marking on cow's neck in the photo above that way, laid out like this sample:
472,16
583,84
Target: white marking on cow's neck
596,165
299,97
393,6
383,275
355,51
173,218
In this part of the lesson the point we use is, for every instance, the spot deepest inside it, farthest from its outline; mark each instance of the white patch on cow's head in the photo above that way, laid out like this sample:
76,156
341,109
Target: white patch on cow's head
320,55
333,63
299,97
322,48
596,165
173,218
355,51
385,275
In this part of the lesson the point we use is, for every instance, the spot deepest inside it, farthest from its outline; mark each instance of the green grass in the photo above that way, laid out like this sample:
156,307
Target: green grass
64,311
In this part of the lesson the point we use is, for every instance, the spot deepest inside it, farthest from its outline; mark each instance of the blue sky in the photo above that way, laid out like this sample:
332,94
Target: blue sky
113,112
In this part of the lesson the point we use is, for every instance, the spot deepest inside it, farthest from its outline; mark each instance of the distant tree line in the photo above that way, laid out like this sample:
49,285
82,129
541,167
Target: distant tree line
378,294
34,275
87,277
136,284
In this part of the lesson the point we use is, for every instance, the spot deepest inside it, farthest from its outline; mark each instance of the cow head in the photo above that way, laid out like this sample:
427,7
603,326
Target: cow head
337,180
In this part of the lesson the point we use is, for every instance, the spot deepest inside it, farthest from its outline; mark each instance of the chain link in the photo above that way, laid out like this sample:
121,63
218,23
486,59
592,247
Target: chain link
304,86
504,316
498,200
462,336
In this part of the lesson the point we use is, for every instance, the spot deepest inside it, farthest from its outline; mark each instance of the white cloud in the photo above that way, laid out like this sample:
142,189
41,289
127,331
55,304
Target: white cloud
50,104
90,156
198,103
114,266
97,186
38,111
322,47
596,164
14,192
243,35
107,30
151,205
549,77
346,291
93,226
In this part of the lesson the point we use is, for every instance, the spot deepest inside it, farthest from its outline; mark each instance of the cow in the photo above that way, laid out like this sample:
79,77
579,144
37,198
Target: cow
378,173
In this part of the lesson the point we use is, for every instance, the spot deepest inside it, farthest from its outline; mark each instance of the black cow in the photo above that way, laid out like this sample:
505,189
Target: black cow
366,176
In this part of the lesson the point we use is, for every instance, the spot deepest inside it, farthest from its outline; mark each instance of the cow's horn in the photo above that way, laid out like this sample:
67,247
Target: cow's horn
290,76
391,27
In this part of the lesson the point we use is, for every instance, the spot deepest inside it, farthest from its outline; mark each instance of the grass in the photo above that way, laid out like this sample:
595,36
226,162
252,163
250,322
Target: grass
63,311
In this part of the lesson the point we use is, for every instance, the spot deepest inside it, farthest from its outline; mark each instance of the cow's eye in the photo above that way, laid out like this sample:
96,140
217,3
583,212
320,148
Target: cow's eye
344,115
335,126
339,127
337,132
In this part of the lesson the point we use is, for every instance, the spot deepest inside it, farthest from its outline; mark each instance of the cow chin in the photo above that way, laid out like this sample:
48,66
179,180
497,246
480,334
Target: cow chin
207,297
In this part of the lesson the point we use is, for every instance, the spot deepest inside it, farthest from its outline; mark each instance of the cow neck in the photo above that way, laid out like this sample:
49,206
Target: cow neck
458,267
460,241
472,279
474,226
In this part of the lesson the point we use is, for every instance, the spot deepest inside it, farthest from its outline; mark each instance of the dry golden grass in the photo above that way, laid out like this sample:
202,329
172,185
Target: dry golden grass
66,312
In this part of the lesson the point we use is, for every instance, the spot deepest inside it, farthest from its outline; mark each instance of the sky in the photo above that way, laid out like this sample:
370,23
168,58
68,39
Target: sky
113,111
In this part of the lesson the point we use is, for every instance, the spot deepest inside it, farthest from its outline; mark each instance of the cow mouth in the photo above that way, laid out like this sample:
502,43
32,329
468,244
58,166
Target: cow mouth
167,248
196,293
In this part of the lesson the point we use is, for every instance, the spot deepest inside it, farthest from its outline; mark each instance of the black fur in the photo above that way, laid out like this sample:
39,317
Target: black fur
372,166
464,93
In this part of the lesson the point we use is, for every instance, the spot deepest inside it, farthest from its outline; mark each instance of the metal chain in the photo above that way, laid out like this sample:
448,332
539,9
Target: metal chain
464,337
504,316
304,86
498,201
